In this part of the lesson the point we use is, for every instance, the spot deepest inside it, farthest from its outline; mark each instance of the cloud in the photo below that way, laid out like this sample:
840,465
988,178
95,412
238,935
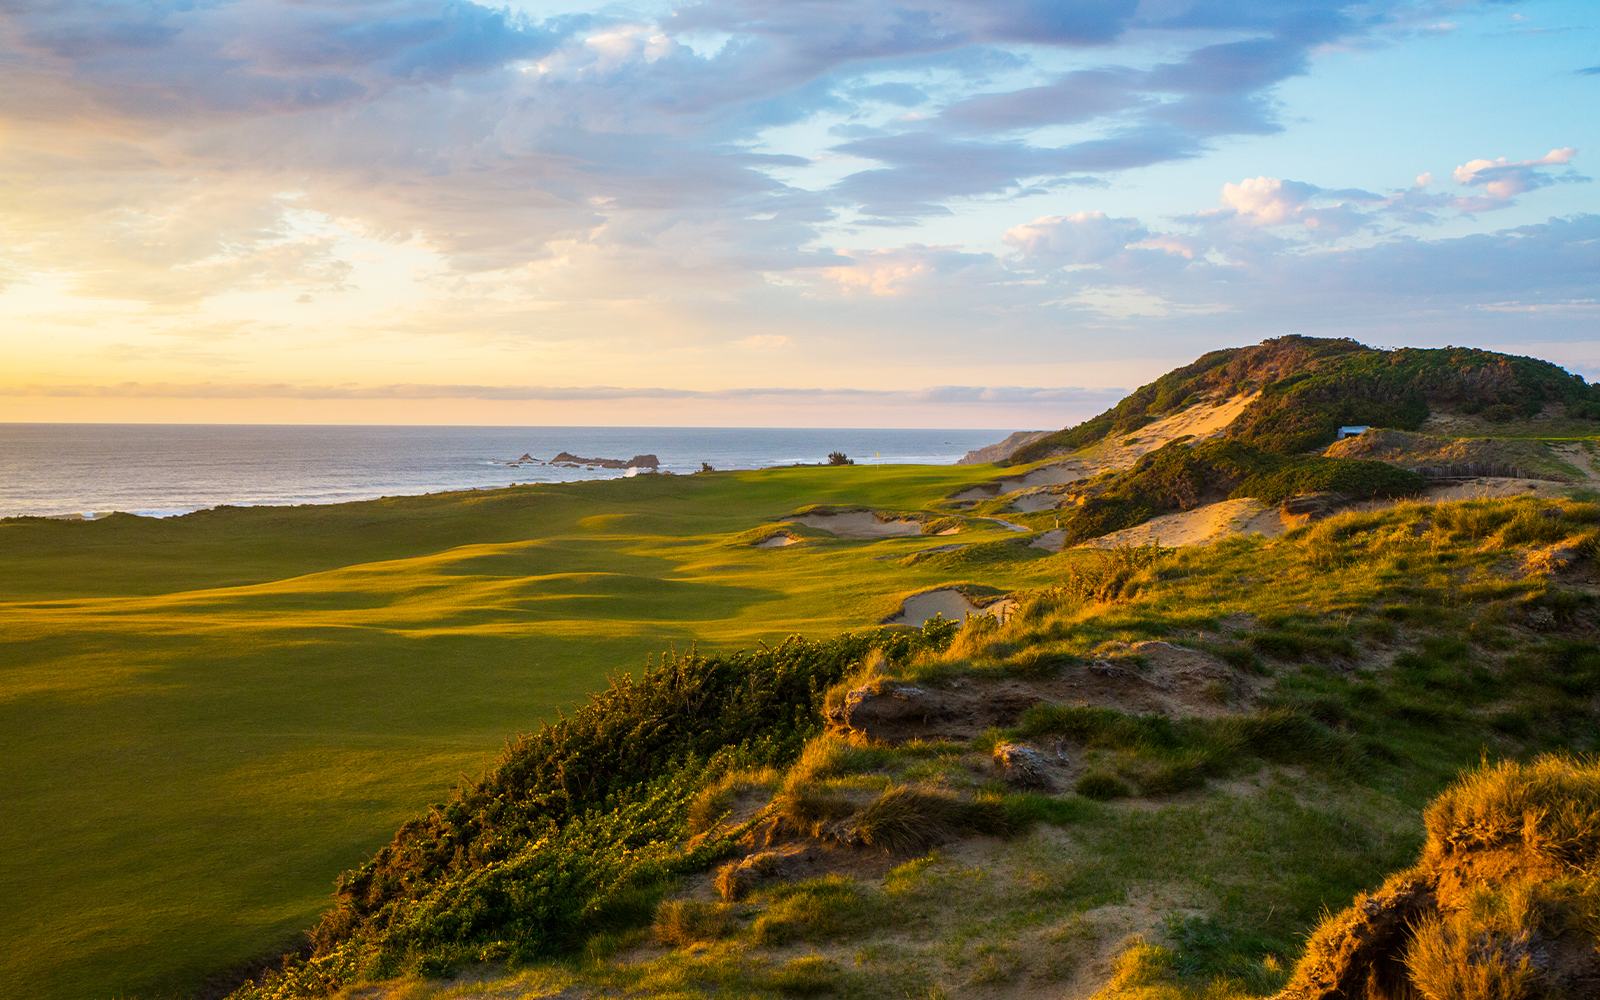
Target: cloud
1503,181
895,271
1084,238
1008,395
1267,201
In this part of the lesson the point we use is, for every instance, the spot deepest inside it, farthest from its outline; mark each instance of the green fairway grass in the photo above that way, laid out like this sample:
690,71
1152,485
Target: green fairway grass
207,718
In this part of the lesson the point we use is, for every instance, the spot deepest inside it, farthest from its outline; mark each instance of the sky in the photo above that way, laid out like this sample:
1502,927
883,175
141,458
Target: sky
969,213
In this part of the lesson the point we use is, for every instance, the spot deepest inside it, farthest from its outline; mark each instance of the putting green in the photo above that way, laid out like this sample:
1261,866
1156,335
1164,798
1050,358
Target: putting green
207,718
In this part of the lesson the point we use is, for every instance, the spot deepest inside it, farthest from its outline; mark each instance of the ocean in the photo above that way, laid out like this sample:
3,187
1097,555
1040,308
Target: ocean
160,470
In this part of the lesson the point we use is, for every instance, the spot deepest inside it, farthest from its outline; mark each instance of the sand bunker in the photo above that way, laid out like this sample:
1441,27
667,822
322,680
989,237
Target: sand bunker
1201,526
777,542
946,601
859,524
1032,503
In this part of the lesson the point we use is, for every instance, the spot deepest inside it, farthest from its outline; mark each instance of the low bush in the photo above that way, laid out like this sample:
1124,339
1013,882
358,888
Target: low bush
1349,476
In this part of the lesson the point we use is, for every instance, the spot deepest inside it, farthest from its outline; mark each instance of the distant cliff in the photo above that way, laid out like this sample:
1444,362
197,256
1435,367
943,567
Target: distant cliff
996,452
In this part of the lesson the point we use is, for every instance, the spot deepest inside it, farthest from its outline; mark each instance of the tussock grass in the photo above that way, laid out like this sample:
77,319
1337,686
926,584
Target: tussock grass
1550,807
685,921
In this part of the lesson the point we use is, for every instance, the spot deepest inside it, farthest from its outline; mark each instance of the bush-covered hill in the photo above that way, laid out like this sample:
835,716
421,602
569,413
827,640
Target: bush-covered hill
1180,477
1312,386
697,833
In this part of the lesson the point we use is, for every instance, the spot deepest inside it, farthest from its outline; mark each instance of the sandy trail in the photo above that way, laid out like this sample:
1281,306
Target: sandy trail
859,524
949,602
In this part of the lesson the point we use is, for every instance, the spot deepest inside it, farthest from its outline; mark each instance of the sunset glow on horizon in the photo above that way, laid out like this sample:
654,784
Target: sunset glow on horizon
768,212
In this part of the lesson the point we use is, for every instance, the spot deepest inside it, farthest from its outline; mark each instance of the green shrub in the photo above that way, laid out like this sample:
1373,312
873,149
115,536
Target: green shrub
1350,476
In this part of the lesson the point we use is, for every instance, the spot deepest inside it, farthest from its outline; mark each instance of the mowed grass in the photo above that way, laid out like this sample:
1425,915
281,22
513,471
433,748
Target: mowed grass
207,718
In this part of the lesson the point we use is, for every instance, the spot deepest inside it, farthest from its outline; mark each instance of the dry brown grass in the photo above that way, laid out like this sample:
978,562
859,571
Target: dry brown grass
1505,904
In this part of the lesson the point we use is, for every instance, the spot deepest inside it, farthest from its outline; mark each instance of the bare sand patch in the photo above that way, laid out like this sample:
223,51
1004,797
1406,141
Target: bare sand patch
1578,455
859,524
1201,526
1032,503
946,601
1050,541
777,542
1201,422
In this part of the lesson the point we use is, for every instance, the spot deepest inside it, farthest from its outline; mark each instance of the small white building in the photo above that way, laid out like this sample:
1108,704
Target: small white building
1345,432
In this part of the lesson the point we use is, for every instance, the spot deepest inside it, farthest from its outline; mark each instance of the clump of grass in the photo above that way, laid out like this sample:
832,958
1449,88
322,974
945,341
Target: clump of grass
907,819
1549,808
1102,786
685,921
736,879
1476,956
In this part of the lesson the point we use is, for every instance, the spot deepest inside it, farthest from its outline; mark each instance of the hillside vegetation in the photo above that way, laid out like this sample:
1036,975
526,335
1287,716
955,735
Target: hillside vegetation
1300,391
1311,387
780,823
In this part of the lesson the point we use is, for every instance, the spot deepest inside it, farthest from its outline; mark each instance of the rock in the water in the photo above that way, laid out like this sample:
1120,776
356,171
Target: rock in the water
644,462
568,457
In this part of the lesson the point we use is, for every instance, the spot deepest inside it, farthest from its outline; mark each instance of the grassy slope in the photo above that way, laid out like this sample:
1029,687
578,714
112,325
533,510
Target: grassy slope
207,718
1407,643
